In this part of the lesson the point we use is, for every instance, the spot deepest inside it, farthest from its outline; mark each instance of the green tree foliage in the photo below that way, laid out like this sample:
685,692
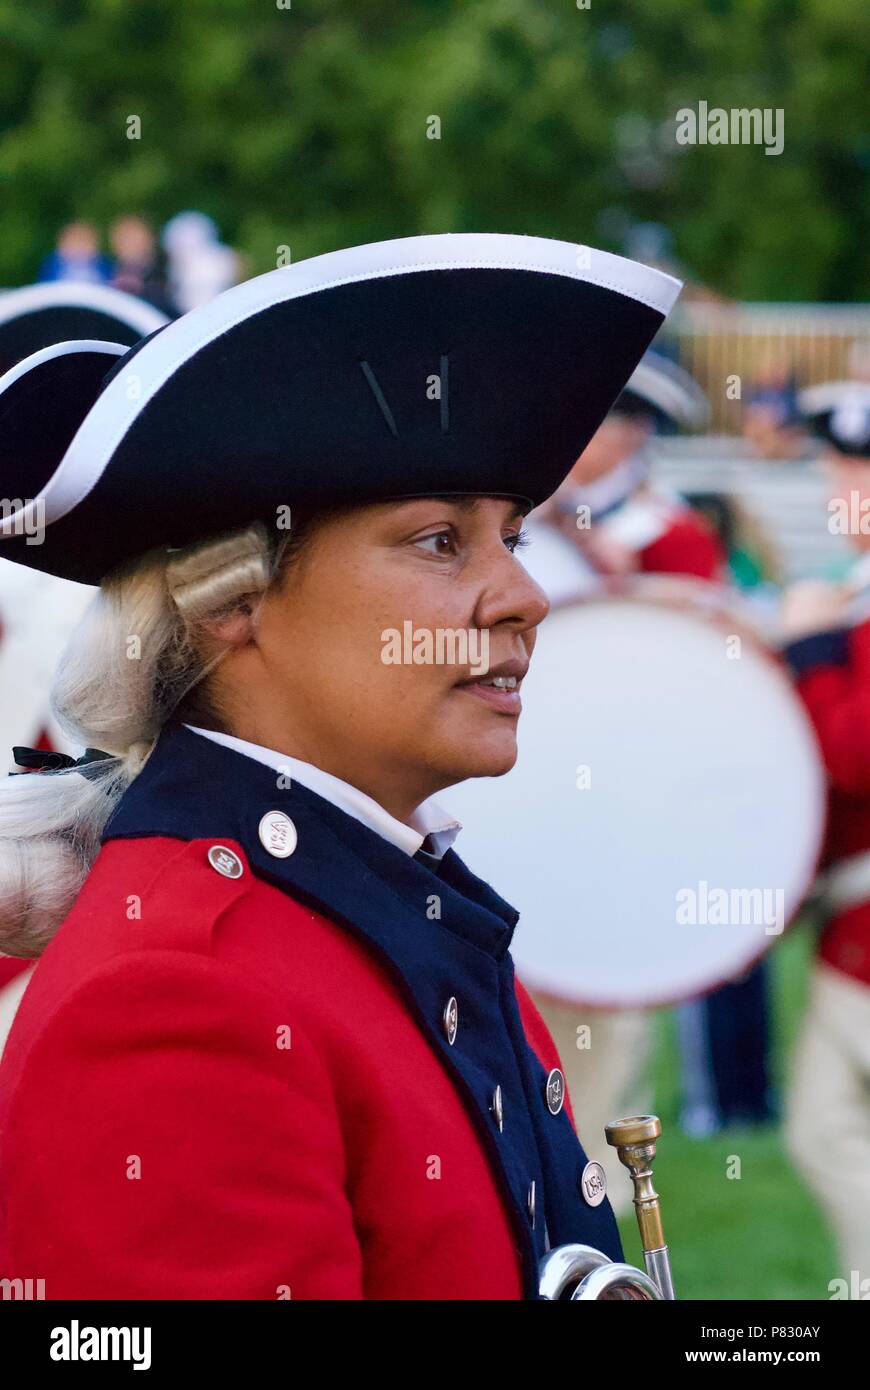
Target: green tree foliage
310,126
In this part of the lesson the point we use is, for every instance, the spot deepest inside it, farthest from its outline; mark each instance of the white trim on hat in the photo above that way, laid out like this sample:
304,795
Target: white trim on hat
828,395
47,354
110,418
669,388
80,294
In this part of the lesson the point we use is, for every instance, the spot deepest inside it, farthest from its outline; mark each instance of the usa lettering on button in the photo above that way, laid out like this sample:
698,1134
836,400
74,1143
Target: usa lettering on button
278,834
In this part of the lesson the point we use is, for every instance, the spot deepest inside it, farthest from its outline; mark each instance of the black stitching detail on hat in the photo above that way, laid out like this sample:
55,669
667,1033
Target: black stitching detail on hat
380,398
445,404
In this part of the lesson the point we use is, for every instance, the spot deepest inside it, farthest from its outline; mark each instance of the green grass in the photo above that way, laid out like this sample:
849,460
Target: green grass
759,1235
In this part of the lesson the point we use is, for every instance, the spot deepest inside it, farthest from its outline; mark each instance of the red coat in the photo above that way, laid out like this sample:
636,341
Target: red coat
212,1091
687,546
833,680
10,967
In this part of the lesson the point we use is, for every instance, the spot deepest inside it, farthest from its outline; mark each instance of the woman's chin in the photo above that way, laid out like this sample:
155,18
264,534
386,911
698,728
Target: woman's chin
489,758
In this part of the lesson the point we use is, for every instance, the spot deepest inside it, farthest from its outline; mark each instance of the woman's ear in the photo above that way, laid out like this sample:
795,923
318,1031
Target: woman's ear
236,628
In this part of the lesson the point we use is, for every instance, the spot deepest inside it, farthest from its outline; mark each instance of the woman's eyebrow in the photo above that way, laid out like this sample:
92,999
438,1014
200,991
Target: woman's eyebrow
470,504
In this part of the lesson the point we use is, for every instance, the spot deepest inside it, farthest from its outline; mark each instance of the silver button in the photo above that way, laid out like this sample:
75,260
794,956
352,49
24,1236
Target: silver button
450,1019
278,834
593,1184
497,1108
555,1091
226,861
530,1203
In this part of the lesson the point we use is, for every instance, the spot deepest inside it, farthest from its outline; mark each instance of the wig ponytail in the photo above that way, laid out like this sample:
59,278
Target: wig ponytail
136,656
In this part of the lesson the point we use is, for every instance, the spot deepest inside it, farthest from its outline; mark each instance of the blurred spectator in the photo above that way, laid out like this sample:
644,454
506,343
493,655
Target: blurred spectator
771,420
77,256
138,264
752,557
200,266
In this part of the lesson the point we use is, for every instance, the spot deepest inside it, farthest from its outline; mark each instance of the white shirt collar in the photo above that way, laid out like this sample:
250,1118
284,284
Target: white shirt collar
428,819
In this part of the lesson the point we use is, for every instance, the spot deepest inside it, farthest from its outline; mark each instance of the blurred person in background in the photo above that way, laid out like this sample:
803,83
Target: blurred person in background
772,422
752,559
77,256
828,628
138,264
608,519
200,266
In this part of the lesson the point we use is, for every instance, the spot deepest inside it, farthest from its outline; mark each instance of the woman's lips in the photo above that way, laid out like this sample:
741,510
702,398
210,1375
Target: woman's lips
505,701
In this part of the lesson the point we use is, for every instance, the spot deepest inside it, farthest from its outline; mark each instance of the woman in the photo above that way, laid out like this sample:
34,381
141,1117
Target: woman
274,1046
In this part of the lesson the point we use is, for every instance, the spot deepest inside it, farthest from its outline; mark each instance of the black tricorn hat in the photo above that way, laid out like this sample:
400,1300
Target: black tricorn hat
839,413
665,392
38,316
464,364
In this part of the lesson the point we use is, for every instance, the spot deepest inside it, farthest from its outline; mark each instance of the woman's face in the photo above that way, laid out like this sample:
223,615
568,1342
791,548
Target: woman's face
617,438
372,650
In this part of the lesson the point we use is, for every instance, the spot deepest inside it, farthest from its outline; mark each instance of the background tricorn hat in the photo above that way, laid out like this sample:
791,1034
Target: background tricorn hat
664,391
465,364
838,412
39,316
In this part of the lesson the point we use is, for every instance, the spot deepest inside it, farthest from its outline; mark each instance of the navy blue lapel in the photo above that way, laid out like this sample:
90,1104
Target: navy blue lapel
442,934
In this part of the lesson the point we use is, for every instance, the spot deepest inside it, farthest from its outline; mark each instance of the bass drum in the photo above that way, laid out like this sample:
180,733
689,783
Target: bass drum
664,817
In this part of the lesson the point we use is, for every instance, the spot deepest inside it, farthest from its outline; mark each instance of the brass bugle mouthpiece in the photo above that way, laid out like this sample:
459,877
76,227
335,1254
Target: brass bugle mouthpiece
634,1139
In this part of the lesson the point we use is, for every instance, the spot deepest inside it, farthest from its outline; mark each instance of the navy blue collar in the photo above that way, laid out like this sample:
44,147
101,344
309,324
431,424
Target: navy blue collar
192,788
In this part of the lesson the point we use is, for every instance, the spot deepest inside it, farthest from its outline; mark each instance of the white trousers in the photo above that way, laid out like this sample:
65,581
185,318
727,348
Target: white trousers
827,1117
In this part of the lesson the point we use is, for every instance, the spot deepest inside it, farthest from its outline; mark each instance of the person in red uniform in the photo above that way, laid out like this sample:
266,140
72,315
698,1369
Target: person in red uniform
273,1046
828,627
607,514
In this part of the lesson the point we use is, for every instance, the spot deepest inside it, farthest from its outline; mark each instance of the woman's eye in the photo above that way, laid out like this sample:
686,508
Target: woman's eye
517,541
444,542
441,543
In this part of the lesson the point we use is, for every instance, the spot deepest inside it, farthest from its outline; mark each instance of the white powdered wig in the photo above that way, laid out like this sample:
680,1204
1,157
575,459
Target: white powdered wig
133,657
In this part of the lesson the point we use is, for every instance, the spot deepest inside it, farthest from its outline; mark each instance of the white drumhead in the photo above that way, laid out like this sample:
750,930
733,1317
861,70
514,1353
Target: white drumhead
664,817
